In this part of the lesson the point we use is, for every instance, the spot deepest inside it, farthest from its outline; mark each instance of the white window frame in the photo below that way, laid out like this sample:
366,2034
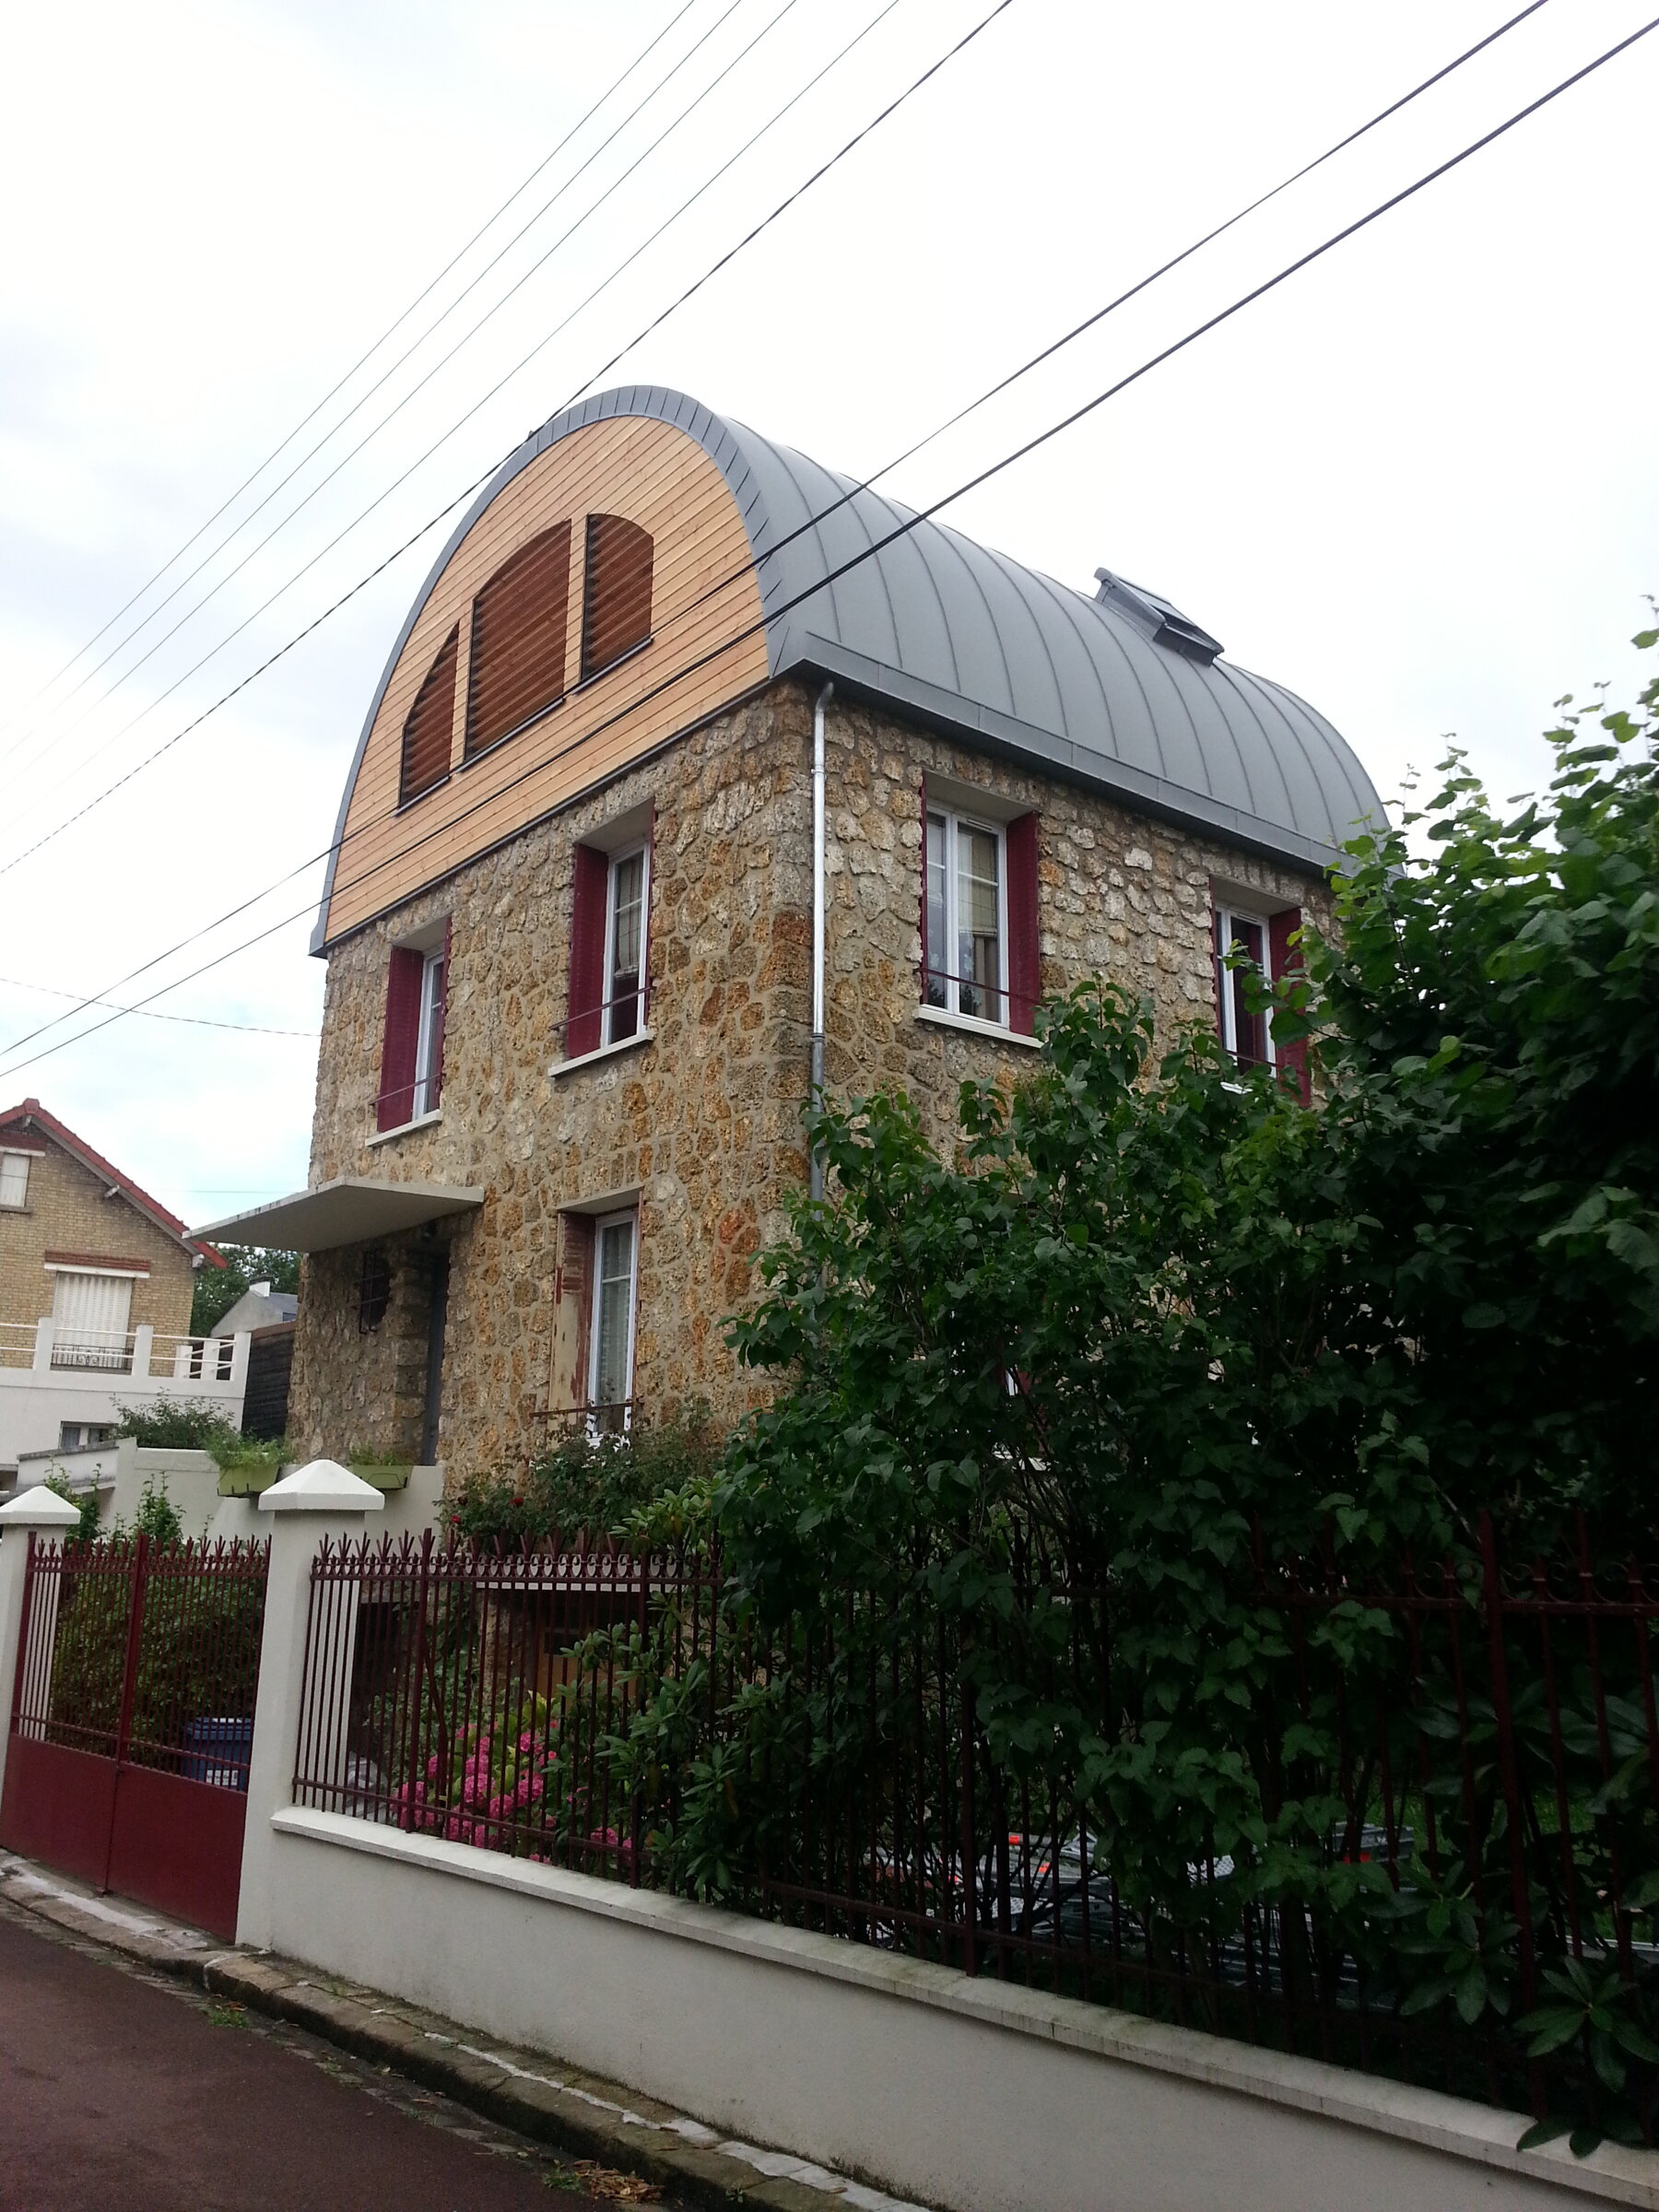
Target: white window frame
10,1162
607,1030
630,1219
1221,924
956,820
420,1100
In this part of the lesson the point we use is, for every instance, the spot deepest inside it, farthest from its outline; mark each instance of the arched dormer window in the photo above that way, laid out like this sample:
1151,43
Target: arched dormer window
518,640
615,593
426,734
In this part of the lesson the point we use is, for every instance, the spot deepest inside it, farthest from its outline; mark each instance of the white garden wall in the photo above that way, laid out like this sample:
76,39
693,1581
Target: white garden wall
968,2094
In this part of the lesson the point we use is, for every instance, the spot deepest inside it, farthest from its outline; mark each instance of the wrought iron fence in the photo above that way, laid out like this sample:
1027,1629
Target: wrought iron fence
144,1653
1473,1762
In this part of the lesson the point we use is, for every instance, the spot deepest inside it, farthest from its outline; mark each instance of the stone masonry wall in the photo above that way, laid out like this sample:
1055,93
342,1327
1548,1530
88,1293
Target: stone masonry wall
702,1122
1120,895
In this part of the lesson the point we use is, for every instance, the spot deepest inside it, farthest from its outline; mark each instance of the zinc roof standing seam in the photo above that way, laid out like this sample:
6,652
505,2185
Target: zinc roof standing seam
940,626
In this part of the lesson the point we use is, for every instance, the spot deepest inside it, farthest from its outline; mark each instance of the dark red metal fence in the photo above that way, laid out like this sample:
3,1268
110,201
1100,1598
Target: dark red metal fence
1477,1792
133,1718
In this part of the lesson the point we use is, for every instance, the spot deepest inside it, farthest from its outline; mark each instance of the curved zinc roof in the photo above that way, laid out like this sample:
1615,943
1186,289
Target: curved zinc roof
1120,691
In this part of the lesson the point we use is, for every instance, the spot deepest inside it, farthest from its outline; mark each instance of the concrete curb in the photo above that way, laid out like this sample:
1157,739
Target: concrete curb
526,2090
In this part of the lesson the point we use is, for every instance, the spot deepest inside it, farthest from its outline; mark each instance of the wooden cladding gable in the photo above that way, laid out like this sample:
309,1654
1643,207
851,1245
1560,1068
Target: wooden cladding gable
430,726
616,591
519,622
700,615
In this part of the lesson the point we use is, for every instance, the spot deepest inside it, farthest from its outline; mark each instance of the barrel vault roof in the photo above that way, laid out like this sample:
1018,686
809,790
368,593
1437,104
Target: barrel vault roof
1118,691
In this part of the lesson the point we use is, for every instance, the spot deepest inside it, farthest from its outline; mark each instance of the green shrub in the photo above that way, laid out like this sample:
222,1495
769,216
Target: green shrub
653,1483
173,1424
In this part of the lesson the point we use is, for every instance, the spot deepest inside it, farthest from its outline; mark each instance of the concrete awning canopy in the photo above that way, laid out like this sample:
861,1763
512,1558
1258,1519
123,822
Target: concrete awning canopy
352,1210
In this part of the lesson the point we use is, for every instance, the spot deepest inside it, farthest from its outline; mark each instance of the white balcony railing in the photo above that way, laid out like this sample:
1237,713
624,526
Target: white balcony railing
187,1365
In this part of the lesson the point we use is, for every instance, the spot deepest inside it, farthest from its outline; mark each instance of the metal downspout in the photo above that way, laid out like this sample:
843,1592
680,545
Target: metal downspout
816,1169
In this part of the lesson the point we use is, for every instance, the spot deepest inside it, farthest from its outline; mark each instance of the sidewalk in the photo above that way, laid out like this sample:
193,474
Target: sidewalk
524,2090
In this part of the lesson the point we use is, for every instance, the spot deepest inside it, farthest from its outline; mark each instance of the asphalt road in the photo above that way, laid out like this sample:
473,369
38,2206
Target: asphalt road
125,2094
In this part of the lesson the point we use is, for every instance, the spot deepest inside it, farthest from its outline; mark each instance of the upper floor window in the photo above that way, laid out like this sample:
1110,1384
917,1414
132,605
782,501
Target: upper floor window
1247,1036
967,919
14,1179
428,731
980,957
411,1048
615,593
1265,946
624,946
610,940
517,670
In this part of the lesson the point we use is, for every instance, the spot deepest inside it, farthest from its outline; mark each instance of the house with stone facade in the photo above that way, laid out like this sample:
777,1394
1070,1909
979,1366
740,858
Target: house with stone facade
699,773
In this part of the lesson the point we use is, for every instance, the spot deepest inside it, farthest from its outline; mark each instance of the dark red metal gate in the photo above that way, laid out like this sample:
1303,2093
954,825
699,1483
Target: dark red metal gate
133,1718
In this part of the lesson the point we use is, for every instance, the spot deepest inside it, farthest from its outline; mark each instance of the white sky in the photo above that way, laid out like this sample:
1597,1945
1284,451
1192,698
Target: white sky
1419,484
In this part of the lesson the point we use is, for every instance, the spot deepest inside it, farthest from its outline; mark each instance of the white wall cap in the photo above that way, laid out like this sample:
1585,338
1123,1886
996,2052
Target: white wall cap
322,1486
37,1507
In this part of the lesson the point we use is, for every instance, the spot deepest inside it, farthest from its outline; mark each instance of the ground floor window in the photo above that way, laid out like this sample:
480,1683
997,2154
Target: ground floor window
611,1349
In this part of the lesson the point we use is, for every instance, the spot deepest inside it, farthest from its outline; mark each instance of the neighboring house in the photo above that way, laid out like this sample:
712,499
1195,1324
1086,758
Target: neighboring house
569,922
96,1278
259,1307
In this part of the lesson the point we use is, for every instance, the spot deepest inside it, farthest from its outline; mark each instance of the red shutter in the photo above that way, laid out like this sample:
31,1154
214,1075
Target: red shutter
923,895
582,1030
645,928
435,1087
1025,961
397,1102
1286,959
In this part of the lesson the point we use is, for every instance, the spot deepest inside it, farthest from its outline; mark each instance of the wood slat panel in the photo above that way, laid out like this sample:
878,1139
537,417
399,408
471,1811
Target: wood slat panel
658,478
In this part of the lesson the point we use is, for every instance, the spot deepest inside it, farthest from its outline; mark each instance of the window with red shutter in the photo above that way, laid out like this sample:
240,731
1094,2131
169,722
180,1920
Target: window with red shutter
584,1025
1025,976
1243,1034
430,726
517,670
616,591
979,950
406,975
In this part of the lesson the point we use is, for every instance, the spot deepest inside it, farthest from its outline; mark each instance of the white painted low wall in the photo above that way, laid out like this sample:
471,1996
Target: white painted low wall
972,2095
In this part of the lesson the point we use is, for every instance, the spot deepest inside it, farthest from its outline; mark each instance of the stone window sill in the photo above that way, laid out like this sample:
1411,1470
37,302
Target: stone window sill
602,1052
941,1017
421,1121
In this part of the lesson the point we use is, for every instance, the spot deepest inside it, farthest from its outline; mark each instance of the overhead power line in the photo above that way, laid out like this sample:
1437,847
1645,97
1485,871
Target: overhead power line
363,359
200,1022
823,171
420,384
913,522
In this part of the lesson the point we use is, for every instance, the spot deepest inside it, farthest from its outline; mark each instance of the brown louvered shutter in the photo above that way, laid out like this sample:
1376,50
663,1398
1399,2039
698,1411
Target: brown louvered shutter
1025,976
1286,959
426,736
582,1030
518,640
616,591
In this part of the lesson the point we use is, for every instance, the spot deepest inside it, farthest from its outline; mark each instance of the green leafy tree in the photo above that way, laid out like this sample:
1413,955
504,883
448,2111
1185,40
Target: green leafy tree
1153,1332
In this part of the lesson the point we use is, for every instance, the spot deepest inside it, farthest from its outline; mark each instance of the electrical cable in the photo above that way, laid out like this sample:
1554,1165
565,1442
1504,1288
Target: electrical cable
397,322
817,176
199,1021
913,521
346,460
